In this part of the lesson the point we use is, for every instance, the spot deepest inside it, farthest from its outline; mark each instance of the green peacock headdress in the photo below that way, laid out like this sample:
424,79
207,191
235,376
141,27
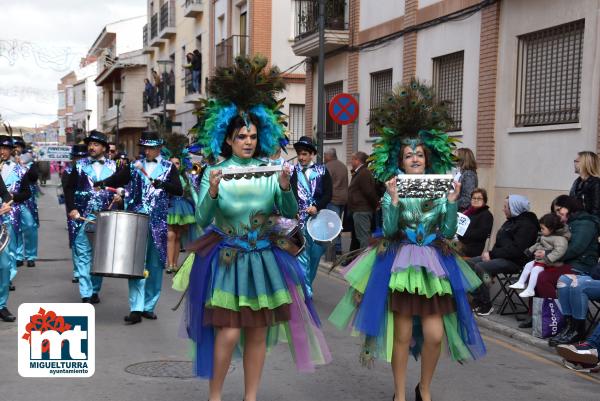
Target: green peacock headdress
411,115
248,87
176,145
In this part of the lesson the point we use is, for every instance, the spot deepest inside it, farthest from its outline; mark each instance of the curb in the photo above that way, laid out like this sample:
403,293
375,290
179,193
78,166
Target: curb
489,324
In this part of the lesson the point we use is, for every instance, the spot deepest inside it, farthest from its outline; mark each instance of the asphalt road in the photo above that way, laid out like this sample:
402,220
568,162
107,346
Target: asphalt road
126,355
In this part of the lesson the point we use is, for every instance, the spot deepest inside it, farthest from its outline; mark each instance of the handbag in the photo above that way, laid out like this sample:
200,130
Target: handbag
547,318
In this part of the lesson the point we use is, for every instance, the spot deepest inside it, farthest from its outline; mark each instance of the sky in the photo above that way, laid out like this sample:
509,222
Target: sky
40,42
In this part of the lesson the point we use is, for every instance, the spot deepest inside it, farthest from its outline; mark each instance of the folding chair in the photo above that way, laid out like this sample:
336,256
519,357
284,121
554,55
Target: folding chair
509,297
593,315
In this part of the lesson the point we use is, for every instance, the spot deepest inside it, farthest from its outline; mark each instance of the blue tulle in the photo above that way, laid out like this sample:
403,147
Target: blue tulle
466,322
370,318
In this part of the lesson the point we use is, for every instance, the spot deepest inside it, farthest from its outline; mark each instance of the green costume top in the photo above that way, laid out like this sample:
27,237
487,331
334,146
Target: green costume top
411,213
239,200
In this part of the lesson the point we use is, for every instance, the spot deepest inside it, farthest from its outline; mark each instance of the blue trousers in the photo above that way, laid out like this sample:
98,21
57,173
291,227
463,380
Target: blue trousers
309,260
574,299
82,259
7,261
27,241
144,293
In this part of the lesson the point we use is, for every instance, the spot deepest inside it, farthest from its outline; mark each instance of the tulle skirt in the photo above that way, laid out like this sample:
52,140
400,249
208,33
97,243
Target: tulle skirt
181,212
410,280
232,286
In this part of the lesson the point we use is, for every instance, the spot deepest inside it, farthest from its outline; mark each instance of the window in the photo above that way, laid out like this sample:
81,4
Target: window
381,85
333,130
296,122
70,97
448,84
61,99
549,75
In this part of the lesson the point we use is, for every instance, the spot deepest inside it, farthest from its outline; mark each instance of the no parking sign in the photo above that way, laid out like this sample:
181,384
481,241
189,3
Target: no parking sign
343,108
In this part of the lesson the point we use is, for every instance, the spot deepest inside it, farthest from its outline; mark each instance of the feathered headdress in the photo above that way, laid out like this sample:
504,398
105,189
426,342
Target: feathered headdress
248,87
176,145
411,115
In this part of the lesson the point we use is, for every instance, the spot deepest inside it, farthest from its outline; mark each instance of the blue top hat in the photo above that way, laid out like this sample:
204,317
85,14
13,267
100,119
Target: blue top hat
79,150
97,136
305,143
6,140
150,139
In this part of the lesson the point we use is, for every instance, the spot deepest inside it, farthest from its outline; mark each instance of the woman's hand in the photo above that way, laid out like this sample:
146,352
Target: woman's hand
214,179
284,178
392,190
453,196
4,209
312,210
539,254
485,256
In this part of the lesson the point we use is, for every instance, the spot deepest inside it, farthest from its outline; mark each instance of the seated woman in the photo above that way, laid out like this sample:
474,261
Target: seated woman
482,220
579,260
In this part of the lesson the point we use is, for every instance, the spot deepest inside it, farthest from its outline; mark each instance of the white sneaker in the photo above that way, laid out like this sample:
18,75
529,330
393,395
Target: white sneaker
517,286
527,294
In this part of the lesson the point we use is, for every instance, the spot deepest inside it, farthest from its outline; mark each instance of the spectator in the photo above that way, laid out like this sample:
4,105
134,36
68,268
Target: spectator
553,242
467,176
574,283
339,178
112,151
518,233
158,91
586,187
362,200
480,227
170,86
196,70
148,95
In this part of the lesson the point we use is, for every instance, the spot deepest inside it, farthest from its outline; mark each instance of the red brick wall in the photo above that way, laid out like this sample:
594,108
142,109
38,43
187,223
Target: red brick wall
488,66
308,108
352,62
409,60
260,27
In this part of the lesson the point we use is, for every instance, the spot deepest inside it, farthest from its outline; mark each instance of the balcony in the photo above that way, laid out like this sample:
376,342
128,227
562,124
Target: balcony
193,8
191,96
230,48
306,41
167,20
146,40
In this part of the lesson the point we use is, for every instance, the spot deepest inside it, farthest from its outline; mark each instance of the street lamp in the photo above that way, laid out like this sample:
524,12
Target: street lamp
117,96
164,64
88,114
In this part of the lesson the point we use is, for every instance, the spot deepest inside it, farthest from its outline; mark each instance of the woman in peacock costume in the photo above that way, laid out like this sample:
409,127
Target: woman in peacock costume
180,217
409,290
245,289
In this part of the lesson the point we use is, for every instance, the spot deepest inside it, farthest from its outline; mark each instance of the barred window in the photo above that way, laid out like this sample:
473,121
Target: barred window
448,84
549,75
333,130
296,122
381,85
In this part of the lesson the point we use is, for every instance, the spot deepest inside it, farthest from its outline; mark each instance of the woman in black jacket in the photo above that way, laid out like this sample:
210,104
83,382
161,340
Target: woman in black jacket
480,227
586,187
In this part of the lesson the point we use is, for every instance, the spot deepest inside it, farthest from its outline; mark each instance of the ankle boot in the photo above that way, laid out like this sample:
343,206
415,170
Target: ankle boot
575,335
553,342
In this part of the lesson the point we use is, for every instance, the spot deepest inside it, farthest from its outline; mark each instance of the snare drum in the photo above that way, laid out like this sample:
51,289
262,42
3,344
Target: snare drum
324,227
120,244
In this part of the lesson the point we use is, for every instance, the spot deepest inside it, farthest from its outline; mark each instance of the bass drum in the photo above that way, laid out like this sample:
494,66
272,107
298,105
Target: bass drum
120,244
324,227
4,237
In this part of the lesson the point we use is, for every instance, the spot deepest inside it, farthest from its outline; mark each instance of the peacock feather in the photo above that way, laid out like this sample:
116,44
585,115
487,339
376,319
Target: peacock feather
411,112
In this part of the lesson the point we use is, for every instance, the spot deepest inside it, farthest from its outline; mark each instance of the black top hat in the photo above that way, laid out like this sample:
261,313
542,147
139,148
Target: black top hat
305,143
79,150
6,140
150,139
97,136
19,141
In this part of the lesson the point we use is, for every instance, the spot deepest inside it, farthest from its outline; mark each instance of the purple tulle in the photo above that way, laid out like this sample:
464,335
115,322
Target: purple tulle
415,255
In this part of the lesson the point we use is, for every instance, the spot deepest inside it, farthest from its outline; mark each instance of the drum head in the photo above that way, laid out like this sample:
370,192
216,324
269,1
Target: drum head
325,226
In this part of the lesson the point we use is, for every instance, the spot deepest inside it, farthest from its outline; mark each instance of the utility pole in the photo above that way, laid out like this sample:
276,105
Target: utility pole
321,84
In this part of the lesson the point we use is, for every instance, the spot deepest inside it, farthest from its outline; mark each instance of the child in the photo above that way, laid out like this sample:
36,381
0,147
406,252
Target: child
554,242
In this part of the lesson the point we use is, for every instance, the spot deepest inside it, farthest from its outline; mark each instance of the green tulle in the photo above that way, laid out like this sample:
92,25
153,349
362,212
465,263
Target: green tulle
179,220
226,300
416,280
181,280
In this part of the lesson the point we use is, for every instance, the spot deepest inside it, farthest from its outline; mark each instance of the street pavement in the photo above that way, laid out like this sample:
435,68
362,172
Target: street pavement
150,362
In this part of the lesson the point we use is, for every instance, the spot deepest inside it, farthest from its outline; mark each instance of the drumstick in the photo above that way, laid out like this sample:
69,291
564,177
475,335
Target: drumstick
140,167
86,220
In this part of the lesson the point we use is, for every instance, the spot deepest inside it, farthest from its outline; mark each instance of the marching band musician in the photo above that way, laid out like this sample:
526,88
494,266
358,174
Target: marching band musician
17,184
78,152
312,186
27,240
150,182
83,202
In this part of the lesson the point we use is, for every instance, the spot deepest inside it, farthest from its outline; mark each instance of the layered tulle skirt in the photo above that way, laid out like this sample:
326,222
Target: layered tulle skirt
181,212
411,280
231,283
